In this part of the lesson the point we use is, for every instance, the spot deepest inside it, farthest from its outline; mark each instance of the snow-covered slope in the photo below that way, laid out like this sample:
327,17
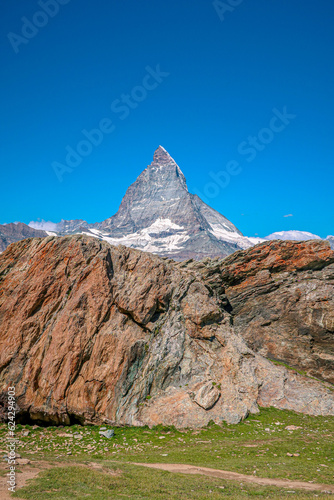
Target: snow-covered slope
162,236
293,235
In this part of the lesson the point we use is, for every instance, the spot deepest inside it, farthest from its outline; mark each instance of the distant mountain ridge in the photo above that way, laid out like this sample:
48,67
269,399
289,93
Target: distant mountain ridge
159,215
298,236
10,233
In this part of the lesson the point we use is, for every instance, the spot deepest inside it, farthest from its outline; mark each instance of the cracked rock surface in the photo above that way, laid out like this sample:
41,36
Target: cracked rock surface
93,333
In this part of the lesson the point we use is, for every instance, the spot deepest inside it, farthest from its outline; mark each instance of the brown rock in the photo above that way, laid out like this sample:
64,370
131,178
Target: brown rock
281,296
98,334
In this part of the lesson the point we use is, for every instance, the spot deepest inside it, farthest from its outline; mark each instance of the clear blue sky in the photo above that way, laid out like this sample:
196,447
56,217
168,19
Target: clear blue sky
225,78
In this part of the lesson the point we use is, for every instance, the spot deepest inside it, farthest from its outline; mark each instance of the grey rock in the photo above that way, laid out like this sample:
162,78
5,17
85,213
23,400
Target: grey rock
107,434
207,396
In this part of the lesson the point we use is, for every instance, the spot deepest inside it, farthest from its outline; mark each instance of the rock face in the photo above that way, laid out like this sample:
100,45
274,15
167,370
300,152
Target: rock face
282,300
95,333
9,233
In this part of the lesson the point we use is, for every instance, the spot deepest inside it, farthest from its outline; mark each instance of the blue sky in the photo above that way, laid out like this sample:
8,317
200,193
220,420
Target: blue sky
226,72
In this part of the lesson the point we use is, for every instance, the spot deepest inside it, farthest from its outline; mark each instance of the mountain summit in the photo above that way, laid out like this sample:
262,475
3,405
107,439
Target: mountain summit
162,157
158,192
159,215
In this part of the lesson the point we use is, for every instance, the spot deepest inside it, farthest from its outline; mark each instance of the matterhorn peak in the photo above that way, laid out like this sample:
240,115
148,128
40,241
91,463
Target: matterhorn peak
158,214
162,157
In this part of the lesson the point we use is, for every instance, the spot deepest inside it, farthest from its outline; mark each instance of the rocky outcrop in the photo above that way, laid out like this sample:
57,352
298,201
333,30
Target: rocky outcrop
95,333
282,302
281,298
9,233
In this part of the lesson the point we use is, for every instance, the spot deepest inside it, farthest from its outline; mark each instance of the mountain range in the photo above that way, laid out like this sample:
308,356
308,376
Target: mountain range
158,215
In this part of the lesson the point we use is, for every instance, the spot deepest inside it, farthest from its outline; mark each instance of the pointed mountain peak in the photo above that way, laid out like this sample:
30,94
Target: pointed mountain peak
161,157
165,171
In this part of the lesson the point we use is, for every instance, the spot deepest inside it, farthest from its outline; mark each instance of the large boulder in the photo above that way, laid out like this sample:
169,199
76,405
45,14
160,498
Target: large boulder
92,333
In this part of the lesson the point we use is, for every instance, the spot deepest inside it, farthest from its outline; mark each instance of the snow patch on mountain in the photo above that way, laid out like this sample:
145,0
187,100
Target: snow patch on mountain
97,232
224,233
161,225
160,237
43,225
292,235
255,240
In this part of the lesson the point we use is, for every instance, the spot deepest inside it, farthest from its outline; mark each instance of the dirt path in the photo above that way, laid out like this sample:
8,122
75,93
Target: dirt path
223,474
32,470
26,472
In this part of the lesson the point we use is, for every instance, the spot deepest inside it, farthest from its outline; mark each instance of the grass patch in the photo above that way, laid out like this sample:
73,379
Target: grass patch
140,483
257,446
